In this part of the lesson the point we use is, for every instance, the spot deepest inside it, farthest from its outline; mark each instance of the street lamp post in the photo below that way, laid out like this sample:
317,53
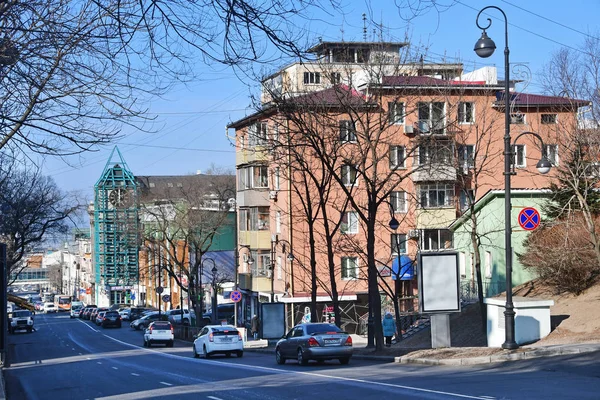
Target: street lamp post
250,261
214,288
290,257
484,48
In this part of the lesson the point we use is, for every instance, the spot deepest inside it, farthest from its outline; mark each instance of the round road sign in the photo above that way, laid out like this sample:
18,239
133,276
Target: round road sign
235,296
529,218
166,298
159,289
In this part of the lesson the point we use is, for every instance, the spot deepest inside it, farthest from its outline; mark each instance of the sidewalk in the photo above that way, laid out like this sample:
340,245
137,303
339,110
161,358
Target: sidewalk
446,356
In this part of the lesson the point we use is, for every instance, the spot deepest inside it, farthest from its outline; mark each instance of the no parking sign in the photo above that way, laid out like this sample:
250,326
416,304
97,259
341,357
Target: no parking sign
529,218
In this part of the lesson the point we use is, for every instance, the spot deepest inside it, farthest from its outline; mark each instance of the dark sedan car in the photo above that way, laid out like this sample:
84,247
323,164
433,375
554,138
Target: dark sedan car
314,341
111,318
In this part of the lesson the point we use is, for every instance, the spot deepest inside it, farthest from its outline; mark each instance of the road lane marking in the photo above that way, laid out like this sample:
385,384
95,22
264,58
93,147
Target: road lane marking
166,383
314,374
98,362
134,374
214,398
115,368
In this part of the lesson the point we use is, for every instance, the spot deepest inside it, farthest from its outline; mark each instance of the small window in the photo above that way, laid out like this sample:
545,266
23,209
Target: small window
466,154
312,78
488,264
349,267
466,113
517,119
396,113
336,78
398,201
349,222
347,131
397,157
551,153
467,197
436,239
349,175
398,244
548,119
518,156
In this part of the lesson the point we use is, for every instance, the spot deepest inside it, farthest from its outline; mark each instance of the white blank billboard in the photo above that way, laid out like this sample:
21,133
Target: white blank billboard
439,282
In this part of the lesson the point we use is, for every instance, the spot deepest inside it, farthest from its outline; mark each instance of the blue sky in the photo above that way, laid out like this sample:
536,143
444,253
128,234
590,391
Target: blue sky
190,128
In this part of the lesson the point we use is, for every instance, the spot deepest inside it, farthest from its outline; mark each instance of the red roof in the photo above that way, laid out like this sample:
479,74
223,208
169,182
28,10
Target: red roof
336,95
527,99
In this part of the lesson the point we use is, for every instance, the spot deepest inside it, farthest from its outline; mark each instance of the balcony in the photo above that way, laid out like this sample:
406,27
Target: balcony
434,172
248,155
435,218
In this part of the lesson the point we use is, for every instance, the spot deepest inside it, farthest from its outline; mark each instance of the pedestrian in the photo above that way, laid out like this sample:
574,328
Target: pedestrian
254,326
389,328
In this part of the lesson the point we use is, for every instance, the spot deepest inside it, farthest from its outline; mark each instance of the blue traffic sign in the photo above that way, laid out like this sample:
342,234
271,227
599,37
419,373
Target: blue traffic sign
529,218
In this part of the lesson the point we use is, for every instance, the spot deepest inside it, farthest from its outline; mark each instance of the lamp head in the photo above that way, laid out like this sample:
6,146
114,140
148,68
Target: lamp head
250,260
290,257
543,166
485,46
214,270
394,224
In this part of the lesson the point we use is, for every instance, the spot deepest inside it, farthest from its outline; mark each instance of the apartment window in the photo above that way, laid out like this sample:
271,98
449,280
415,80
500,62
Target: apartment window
243,219
517,158
466,156
336,78
349,222
517,119
431,117
551,153
257,134
467,197
312,78
258,219
279,269
349,267
397,157
398,201
276,180
278,222
466,113
398,244
435,153
347,131
396,112
436,195
255,176
462,264
261,265
548,119
436,239
349,175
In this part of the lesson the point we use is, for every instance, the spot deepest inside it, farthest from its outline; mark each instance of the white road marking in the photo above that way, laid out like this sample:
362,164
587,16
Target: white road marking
134,374
214,398
115,368
166,383
98,362
320,375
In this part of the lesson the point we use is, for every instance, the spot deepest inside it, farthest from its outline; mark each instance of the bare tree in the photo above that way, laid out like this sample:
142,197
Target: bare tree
180,225
73,73
32,208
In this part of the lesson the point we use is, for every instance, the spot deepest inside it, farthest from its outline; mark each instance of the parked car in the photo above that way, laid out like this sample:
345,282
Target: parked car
94,313
111,318
218,339
145,321
50,308
39,306
136,312
88,311
175,316
99,317
124,313
314,341
224,313
76,308
159,332
21,320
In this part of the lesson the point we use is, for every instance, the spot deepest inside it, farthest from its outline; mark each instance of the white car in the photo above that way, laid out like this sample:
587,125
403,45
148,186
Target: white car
21,319
50,308
159,332
218,339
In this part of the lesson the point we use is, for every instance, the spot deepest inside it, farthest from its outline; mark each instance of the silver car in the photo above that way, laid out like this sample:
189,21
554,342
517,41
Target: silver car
314,341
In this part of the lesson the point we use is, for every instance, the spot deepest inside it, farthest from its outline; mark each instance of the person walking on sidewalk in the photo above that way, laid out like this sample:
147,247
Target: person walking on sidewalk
254,326
389,328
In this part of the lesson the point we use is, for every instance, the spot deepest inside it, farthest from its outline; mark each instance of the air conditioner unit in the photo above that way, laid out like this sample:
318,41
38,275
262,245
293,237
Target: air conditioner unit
409,129
273,195
413,234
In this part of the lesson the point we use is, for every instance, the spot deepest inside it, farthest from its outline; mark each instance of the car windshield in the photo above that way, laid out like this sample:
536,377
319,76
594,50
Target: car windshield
225,331
161,325
24,313
111,314
322,328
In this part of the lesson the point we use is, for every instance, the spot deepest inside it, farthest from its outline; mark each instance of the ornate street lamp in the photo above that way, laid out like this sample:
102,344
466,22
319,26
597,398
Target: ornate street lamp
484,48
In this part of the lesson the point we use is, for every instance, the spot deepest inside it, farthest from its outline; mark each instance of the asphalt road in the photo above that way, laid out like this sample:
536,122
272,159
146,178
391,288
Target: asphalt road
73,359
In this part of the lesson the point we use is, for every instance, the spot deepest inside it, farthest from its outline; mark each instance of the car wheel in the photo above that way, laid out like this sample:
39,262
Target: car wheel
279,357
321,362
30,330
149,343
302,360
145,343
240,354
344,360
196,355
228,355
206,355
137,327
170,344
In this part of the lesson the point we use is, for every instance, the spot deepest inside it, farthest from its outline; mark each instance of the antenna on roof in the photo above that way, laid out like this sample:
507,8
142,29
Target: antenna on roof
364,26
